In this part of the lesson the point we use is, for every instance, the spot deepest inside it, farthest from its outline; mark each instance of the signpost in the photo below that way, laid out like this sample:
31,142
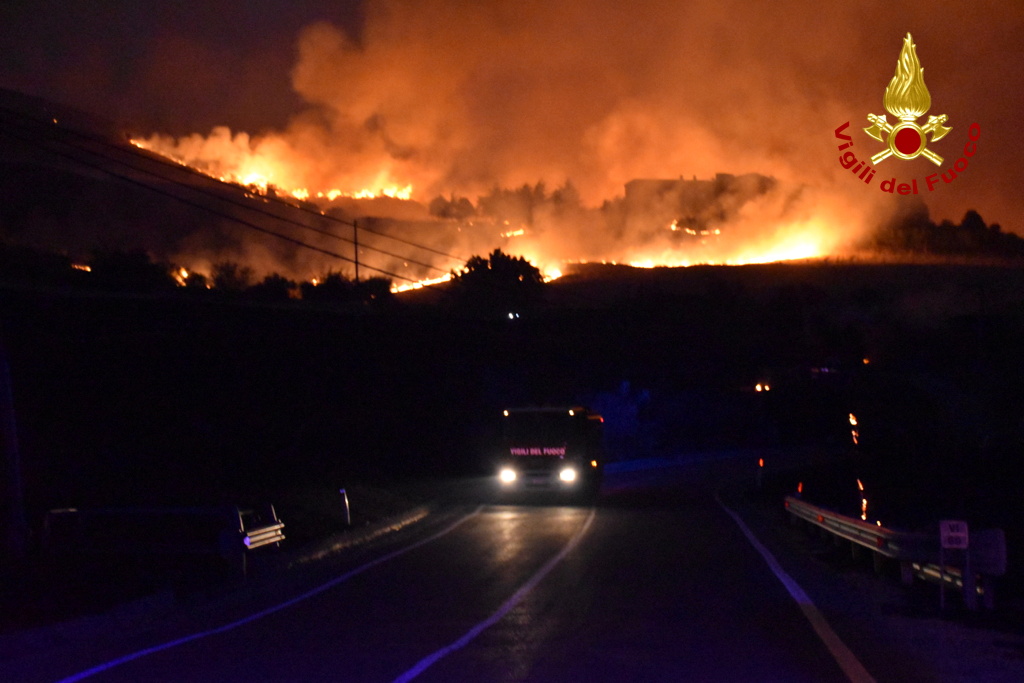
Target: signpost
953,535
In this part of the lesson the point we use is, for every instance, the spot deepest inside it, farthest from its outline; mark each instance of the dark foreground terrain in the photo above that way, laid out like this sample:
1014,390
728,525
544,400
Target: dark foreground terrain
189,399
678,572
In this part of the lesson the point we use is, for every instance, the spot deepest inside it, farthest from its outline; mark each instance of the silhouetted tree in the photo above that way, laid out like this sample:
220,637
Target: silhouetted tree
197,281
973,222
566,196
375,290
499,283
332,288
513,207
27,264
129,271
914,232
458,208
274,287
229,276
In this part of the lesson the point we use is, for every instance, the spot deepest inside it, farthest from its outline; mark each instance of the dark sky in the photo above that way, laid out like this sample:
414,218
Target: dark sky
457,95
178,67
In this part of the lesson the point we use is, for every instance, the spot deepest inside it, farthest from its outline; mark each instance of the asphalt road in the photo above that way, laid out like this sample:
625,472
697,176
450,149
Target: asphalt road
656,582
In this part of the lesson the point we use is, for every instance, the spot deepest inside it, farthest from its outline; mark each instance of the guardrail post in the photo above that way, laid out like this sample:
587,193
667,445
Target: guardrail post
877,562
907,573
942,579
970,585
231,545
988,598
348,512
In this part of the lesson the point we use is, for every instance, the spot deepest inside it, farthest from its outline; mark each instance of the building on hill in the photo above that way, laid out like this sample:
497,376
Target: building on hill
691,207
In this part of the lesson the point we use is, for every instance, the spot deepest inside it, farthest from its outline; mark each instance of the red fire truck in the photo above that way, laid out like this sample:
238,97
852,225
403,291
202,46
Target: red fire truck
557,449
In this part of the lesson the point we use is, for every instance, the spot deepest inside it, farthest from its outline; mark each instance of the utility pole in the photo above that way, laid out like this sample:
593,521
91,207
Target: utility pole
355,239
17,527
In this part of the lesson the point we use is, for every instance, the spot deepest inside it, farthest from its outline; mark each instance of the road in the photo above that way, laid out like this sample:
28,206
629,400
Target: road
656,582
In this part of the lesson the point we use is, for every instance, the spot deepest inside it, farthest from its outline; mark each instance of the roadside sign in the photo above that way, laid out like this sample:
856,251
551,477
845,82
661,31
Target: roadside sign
953,534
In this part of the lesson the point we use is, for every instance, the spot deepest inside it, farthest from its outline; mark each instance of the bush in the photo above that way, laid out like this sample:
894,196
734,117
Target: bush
499,283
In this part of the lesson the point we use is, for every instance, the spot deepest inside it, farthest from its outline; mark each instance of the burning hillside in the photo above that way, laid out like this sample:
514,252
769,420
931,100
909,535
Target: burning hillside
536,131
657,222
200,214
444,130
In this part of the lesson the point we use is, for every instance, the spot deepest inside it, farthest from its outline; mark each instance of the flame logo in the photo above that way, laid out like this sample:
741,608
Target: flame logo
907,98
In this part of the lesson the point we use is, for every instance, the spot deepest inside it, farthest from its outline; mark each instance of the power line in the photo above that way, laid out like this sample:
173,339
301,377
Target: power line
160,159
197,205
166,161
163,161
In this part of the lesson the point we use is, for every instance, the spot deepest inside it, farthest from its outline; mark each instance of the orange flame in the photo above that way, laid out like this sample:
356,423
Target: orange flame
263,166
263,172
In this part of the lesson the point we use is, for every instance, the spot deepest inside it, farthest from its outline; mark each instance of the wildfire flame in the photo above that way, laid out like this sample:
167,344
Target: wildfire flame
262,173
764,231
906,96
420,284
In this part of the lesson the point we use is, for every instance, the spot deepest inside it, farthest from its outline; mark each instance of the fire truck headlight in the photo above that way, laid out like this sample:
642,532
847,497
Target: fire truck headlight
568,475
507,475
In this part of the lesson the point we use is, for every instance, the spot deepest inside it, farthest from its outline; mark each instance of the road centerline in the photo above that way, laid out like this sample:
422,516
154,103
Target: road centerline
502,611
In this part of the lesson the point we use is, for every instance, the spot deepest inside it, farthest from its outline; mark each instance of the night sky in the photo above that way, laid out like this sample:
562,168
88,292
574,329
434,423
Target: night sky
176,67
457,96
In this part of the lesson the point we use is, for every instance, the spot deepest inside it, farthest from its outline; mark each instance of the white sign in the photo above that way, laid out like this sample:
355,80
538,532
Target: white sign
953,534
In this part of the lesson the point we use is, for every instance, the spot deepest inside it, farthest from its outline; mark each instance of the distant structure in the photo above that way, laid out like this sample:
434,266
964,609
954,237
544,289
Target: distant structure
690,207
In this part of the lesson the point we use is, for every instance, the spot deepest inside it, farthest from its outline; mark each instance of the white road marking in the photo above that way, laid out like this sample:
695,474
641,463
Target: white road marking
507,607
847,661
82,675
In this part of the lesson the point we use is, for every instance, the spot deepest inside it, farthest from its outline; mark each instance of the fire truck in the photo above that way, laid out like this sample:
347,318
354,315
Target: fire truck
554,449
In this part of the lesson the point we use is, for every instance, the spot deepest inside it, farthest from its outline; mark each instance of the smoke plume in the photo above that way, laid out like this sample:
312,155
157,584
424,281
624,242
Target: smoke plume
460,97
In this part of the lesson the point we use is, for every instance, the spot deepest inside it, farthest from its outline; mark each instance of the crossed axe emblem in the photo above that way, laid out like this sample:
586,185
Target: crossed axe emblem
907,140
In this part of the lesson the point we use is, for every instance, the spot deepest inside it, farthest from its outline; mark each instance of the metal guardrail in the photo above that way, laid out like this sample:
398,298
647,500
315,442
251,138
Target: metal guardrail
889,543
919,554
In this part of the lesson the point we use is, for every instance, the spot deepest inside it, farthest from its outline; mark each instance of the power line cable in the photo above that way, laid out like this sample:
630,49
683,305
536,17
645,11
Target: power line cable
142,153
197,205
210,179
158,158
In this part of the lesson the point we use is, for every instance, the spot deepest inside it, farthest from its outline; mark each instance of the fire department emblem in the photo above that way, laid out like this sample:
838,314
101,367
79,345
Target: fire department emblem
907,99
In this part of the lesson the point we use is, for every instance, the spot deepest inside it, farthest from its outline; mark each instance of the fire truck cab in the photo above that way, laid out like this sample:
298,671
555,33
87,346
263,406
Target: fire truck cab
554,449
